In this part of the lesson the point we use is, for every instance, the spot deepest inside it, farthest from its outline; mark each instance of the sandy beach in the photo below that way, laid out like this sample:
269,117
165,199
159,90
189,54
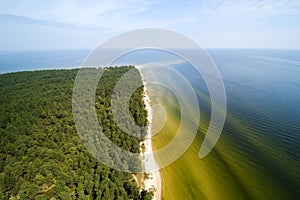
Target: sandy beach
153,182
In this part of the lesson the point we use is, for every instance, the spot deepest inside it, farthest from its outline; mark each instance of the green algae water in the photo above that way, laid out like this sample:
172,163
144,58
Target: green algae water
241,166
257,155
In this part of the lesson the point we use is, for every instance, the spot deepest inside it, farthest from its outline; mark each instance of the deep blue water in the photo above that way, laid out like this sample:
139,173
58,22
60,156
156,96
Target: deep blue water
263,89
13,61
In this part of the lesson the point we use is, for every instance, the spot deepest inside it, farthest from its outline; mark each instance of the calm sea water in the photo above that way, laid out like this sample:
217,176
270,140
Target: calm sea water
263,90
13,61
263,97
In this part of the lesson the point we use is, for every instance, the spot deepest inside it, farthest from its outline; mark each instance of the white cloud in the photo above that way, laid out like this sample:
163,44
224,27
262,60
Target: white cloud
78,12
254,8
214,23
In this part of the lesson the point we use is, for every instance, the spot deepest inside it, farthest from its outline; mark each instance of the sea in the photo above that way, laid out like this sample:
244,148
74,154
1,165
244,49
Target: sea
263,100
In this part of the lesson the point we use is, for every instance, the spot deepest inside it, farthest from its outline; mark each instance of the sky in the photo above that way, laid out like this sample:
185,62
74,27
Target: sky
84,24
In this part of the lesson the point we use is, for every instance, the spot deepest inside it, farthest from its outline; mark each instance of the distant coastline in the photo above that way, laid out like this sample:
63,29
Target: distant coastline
31,60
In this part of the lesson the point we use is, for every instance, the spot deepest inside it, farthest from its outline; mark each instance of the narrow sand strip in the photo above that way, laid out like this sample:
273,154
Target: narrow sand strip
154,179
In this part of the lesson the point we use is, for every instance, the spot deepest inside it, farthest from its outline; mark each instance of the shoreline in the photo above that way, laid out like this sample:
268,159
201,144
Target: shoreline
153,182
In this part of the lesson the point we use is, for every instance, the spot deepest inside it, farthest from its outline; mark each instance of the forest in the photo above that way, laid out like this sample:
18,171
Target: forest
41,154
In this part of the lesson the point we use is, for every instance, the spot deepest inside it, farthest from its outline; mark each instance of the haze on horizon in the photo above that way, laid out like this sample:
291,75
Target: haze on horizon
78,24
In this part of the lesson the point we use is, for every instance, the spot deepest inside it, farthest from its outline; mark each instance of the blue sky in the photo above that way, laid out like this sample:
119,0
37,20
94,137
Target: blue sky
78,24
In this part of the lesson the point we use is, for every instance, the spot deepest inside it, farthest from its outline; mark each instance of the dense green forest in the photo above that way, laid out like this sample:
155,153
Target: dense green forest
41,154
